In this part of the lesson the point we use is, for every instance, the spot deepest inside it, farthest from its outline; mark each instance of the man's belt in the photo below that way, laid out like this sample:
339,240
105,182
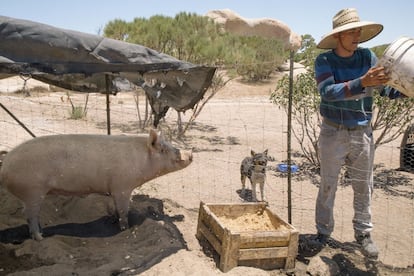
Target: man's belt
340,126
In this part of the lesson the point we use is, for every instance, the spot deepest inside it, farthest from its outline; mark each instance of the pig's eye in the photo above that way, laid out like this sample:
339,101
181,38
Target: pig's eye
164,148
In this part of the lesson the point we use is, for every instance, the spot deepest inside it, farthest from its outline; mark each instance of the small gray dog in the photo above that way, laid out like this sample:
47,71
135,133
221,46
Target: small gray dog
254,168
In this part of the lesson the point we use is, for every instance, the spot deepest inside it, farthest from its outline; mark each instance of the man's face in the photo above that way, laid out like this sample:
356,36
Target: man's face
349,39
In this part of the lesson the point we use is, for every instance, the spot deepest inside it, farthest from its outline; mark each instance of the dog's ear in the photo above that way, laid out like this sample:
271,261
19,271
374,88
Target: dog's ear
252,152
266,151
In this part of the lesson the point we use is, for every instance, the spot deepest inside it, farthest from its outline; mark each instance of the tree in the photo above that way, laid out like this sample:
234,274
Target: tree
257,57
305,112
117,29
307,50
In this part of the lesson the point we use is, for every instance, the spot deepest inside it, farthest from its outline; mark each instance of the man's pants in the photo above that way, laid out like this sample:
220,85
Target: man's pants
355,149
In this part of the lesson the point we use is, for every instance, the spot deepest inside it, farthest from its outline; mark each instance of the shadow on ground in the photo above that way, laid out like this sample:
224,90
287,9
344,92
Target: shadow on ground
152,236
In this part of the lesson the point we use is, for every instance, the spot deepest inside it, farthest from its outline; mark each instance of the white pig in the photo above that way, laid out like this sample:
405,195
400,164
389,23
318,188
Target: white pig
85,164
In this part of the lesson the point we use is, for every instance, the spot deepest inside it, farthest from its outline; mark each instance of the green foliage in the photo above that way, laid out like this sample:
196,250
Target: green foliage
77,113
258,57
391,118
379,50
305,107
307,51
117,29
186,36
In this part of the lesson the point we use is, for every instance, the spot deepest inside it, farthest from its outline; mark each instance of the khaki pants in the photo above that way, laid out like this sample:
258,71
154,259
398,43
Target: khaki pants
355,149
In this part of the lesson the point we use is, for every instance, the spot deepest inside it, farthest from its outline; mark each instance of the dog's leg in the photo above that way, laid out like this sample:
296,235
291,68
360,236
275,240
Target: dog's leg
253,191
262,190
243,181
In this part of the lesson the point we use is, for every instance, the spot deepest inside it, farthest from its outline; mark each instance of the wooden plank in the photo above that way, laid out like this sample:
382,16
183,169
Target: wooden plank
263,253
230,251
264,239
271,234
211,221
263,244
293,250
276,220
235,210
200,221
210,237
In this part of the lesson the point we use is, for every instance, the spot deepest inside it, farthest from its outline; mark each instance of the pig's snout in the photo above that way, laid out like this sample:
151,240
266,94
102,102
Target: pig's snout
186,155
2,155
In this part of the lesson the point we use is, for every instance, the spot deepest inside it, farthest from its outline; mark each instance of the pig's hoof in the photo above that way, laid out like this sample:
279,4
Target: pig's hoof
123,225
37,236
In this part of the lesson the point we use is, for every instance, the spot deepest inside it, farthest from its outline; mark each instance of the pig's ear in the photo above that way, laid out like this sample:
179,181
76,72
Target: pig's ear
153,140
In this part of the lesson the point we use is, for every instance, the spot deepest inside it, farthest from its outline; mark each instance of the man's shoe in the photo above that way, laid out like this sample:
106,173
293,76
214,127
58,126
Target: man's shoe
318,242
368,247
322,239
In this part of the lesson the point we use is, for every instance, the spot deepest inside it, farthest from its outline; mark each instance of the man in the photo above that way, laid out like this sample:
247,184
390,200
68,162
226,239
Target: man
346,76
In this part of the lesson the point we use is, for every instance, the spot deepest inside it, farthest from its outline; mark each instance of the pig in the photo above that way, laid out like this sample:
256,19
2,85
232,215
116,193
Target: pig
81,164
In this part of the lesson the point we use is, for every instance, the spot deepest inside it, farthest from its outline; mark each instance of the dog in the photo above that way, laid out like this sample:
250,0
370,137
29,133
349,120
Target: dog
254,168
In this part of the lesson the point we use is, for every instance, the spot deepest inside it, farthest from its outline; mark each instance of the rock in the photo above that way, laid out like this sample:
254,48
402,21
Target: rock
323,266
265,27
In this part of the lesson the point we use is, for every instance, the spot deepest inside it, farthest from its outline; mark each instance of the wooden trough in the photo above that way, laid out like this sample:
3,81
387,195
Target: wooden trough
248,234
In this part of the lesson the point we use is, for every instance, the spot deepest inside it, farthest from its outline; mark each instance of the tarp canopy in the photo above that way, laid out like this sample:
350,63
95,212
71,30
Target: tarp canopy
91,63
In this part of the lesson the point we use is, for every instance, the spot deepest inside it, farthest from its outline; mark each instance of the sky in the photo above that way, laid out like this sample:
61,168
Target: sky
312,17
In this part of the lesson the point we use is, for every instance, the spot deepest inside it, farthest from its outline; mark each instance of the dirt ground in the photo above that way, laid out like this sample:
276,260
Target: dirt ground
81,237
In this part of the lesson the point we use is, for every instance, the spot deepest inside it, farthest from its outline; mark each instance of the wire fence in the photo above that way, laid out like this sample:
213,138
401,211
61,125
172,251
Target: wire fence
223,134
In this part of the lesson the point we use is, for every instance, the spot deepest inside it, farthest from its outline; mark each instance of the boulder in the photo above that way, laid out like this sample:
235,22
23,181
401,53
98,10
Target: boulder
265,27
323,266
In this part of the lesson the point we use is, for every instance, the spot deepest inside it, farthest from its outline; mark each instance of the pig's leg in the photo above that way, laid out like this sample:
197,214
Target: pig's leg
121,201
31,211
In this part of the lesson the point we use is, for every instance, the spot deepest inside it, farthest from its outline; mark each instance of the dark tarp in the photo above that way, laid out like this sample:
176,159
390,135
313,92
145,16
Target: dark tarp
83,62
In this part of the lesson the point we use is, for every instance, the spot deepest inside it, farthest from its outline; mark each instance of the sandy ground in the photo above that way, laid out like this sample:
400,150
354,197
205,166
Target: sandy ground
82,238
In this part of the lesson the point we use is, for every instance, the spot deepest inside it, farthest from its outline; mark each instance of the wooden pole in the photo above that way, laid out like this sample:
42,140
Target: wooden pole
17,120
289,138
108,108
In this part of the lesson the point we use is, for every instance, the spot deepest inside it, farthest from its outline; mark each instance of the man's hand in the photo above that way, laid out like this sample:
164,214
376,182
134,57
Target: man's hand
375,76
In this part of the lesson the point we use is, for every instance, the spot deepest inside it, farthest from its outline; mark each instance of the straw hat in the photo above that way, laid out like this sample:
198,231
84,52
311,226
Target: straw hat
347,19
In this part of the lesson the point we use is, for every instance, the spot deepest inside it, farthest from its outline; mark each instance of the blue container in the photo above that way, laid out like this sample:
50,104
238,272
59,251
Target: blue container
284,168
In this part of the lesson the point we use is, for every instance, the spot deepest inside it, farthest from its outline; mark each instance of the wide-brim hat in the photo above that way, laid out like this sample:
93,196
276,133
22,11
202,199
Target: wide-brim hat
348,19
